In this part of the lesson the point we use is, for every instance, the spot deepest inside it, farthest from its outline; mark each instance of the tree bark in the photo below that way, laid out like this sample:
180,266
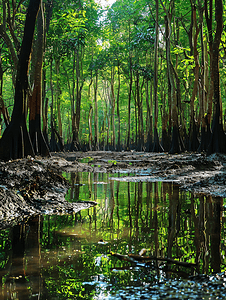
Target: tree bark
79,86
113,107
90,128
157,146
96,135
15,142
193,138
218,138
37,138
176,141
129,95
118,111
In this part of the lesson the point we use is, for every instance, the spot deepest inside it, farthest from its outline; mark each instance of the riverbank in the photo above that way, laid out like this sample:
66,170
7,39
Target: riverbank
34,186
195,172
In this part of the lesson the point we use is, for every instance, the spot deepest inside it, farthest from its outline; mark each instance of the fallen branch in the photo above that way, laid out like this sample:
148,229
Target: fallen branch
147,259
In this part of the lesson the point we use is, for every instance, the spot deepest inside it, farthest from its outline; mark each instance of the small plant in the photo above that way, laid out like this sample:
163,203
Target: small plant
113,162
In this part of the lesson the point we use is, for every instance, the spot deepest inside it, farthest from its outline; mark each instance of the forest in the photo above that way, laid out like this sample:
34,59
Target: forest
136,75
112,149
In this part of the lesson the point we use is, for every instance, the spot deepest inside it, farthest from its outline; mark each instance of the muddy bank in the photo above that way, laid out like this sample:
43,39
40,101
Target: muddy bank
33,186
36,186
194,172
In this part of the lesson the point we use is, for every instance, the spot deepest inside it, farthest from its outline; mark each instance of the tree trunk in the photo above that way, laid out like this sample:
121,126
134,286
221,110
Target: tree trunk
157,147
79,86
53,143
118,112
96,135
90,128
15,142
176,141
149,144
218,138
58,94
129,95
45,101
165,135
113,108
193,138
140,140
203,90
37,139
73,145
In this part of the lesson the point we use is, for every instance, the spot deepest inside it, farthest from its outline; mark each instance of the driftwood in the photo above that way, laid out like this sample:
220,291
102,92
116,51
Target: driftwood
147,259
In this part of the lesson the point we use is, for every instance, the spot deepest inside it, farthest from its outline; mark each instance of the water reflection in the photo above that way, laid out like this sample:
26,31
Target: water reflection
69,257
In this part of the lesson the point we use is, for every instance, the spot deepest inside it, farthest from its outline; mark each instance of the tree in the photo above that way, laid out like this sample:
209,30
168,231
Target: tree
16,142
193,138
103,75
157,146
176,141
37,138
218,138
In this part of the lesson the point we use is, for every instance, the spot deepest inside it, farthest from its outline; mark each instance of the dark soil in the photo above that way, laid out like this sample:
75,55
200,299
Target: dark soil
36,186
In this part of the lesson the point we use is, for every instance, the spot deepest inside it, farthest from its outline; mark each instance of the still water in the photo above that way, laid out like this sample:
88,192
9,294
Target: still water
73,256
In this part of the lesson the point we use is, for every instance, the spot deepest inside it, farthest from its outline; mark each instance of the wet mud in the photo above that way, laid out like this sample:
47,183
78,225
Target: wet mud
33,187
195,172
36,186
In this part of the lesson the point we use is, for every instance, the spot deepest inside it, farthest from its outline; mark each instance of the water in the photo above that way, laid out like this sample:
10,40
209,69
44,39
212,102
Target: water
72,256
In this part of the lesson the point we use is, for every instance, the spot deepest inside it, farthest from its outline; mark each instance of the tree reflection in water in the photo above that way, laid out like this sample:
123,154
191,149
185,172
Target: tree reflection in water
63,257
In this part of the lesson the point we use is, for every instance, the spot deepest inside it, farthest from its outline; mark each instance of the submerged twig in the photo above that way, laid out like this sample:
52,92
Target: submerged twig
146,259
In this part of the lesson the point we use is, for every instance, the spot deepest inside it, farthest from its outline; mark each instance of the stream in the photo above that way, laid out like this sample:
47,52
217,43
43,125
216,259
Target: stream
92,254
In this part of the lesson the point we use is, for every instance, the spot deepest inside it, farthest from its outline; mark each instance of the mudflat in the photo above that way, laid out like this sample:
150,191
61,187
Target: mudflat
33,186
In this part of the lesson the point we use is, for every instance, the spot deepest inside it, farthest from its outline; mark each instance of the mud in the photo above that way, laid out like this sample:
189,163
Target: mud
36,186
192,171
32,187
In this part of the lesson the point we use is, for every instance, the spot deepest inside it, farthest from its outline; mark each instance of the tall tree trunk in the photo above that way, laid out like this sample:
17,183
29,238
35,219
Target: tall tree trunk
96,135
165,135
53,143
139,101
37,138
58,95
79,86
90,128
118,111
45,100
176,142
193,138
113,108
129,95
149,144
15,142
73,125
218,138
78,98
203,90
157,147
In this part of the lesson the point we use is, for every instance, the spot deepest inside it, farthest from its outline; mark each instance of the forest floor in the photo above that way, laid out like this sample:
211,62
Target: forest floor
35,185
